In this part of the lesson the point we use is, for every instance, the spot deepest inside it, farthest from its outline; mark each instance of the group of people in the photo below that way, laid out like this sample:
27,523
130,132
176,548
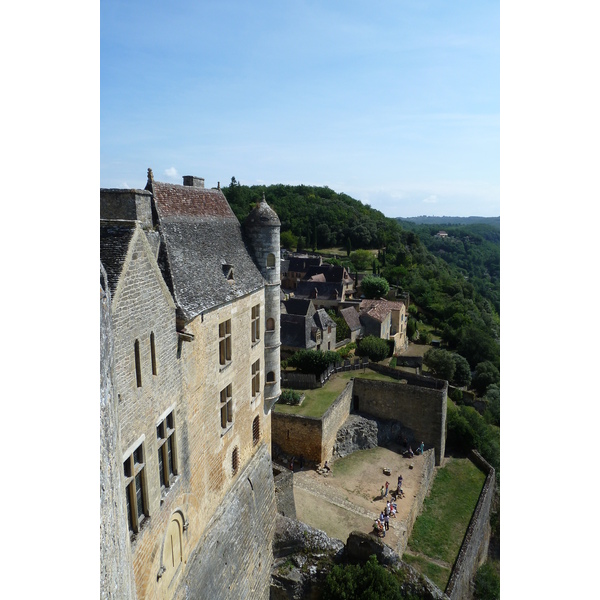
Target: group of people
382,524
409,453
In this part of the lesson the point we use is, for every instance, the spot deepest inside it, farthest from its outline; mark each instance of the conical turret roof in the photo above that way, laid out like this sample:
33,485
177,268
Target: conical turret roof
262,215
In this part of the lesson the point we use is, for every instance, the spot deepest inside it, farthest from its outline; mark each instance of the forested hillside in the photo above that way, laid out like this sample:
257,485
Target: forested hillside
455,296
446,221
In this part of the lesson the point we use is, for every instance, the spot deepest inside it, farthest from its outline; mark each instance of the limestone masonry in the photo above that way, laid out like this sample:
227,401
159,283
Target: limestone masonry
189,372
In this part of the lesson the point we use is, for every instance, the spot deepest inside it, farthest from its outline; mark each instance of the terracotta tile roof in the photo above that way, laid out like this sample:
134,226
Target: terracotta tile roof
379,309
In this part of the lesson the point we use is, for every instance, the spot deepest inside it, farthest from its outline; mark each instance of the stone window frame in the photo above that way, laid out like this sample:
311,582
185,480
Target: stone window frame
271,263
270,377
226,406
256,430
255,373
235,461
166,442
153,353
255,324
270,324
136,485
137,363
225,342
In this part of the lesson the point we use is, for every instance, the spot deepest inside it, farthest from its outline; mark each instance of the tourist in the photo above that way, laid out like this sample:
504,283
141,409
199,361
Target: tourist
382,491
421,448
387,485
386,520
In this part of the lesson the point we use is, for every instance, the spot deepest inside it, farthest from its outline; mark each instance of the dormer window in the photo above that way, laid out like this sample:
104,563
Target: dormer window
228,271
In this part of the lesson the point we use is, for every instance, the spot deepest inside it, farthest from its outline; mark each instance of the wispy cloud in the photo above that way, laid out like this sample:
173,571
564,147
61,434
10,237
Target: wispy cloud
172,173
432,199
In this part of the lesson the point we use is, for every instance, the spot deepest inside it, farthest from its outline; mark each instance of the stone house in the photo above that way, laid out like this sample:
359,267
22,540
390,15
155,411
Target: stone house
196,326
385,319
350,315
303,327
295,269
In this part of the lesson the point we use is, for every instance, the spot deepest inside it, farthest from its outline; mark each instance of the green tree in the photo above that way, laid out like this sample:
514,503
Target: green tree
492,397
487,581
288,240
374,287
440,362
342,331
370,581
361,259
312,361
375,348
462,373
486,374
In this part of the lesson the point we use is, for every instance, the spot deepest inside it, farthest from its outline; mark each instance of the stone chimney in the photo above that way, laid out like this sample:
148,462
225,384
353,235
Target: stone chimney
192,181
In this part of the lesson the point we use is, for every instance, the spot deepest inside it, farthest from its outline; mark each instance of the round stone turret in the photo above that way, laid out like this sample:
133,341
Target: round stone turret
262,227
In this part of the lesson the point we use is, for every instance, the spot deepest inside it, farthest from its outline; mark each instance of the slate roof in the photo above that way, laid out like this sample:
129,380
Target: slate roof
114,244
379,309
301,264
297,306
330,273
351,317
203,239
296,331
262,215
324,290
323,320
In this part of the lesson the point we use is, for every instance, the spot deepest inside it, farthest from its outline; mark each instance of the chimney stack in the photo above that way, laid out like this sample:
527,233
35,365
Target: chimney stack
191,181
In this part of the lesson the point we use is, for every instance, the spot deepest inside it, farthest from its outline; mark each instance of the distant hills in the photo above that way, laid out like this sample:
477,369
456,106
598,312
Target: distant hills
423,220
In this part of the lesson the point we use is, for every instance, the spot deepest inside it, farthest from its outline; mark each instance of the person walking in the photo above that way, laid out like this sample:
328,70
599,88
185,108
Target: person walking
387,485
386,521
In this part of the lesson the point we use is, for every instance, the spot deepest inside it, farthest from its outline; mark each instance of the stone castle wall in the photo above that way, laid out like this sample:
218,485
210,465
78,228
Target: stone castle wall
310,437
421,409
474,548
233,559
284,491
116,575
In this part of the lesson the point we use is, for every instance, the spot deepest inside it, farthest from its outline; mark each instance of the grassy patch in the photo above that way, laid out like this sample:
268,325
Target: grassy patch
438,574
440,529
319,400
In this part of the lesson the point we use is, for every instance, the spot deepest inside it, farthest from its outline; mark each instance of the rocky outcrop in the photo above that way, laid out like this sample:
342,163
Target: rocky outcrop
360,433
303,557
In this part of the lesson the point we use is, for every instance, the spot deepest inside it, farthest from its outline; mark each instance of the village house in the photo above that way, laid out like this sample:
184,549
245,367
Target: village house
305,328
385,319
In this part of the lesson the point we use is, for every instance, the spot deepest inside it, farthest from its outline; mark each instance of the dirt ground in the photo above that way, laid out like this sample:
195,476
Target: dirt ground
349,497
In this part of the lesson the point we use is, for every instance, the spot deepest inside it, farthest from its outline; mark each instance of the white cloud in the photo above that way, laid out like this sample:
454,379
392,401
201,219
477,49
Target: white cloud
432,199
172,173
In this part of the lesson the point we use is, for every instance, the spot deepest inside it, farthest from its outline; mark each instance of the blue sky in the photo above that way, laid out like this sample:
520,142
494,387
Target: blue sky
394,103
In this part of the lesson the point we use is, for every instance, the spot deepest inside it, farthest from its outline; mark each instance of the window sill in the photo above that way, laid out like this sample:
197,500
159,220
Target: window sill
254,344
255,399
165,491
226,430
223,367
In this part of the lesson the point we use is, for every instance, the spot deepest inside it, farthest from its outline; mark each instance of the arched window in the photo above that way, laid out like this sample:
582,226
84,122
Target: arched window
270,377
270,261
270,324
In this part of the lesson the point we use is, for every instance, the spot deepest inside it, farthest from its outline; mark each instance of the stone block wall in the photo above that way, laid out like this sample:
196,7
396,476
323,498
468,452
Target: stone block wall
116,574
284,491
406,525
475,544
421,409
298,436
234,556
333,419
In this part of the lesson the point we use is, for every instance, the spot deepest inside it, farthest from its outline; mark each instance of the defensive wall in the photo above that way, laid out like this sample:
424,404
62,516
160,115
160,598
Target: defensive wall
233,558
284,490
473,550
311,437
420,405
406,524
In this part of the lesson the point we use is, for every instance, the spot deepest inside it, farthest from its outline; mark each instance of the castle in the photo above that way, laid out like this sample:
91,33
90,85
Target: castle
190,338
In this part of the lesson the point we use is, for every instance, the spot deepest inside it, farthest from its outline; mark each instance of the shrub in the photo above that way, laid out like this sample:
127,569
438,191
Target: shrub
440,362
291,397
487,582
492,412
374,287
393,362
462,372
313,361
486,373
375,348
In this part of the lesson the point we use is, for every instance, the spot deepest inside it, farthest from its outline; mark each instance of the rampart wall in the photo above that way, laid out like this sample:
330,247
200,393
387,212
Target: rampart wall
233,558
473,550
420,408
406,525
284,491
310,437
